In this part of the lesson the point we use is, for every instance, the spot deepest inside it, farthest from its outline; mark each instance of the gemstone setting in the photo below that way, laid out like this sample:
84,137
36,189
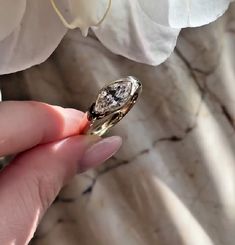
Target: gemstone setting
112,97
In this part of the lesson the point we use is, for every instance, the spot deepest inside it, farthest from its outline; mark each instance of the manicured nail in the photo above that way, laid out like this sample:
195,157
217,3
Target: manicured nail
100,152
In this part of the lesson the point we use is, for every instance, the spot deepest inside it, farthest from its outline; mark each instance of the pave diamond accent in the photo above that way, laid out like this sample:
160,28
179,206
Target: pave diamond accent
113,97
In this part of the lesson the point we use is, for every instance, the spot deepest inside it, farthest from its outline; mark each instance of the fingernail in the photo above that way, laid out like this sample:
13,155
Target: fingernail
100,152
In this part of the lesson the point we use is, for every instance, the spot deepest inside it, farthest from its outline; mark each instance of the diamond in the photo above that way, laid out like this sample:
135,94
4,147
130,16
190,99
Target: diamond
113,97
103,94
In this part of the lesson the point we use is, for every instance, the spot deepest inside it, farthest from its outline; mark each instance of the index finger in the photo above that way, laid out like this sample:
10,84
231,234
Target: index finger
26,124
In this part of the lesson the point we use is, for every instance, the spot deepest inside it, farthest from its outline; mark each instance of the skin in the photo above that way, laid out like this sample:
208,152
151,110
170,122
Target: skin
49,151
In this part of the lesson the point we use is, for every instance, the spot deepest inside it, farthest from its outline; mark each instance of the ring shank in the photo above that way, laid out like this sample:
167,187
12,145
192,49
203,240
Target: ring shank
99,126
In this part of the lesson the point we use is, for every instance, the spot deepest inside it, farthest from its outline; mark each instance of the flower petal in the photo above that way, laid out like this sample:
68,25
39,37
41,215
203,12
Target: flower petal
81,13
128,31
187,13
157,10
11,13
34,40
88,13
192,13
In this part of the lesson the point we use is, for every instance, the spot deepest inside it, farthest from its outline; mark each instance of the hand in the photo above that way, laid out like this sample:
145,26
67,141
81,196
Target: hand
49,152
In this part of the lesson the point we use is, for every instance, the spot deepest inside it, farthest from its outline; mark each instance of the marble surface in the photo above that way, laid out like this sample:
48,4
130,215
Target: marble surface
173,181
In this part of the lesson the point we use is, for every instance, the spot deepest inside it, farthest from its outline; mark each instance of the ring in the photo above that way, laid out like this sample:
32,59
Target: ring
112,103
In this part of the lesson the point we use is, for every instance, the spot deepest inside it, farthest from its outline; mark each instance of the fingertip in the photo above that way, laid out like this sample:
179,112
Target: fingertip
99,152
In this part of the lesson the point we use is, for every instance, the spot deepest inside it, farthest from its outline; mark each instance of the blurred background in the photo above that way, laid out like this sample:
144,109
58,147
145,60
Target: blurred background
173,181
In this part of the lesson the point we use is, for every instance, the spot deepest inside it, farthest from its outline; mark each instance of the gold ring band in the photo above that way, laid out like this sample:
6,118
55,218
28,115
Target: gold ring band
112,103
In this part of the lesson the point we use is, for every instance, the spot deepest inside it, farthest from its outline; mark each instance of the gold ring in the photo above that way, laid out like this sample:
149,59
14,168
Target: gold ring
112,103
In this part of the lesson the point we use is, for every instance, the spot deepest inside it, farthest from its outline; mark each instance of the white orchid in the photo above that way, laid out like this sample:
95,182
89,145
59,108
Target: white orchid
143,30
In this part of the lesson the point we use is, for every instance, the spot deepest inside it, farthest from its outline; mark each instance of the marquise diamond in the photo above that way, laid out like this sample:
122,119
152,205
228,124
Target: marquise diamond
113,97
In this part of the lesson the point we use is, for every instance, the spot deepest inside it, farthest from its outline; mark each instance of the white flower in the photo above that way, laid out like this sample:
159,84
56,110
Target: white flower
143,30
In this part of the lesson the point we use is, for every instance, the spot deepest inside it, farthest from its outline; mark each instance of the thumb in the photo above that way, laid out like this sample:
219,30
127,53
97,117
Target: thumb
31,182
